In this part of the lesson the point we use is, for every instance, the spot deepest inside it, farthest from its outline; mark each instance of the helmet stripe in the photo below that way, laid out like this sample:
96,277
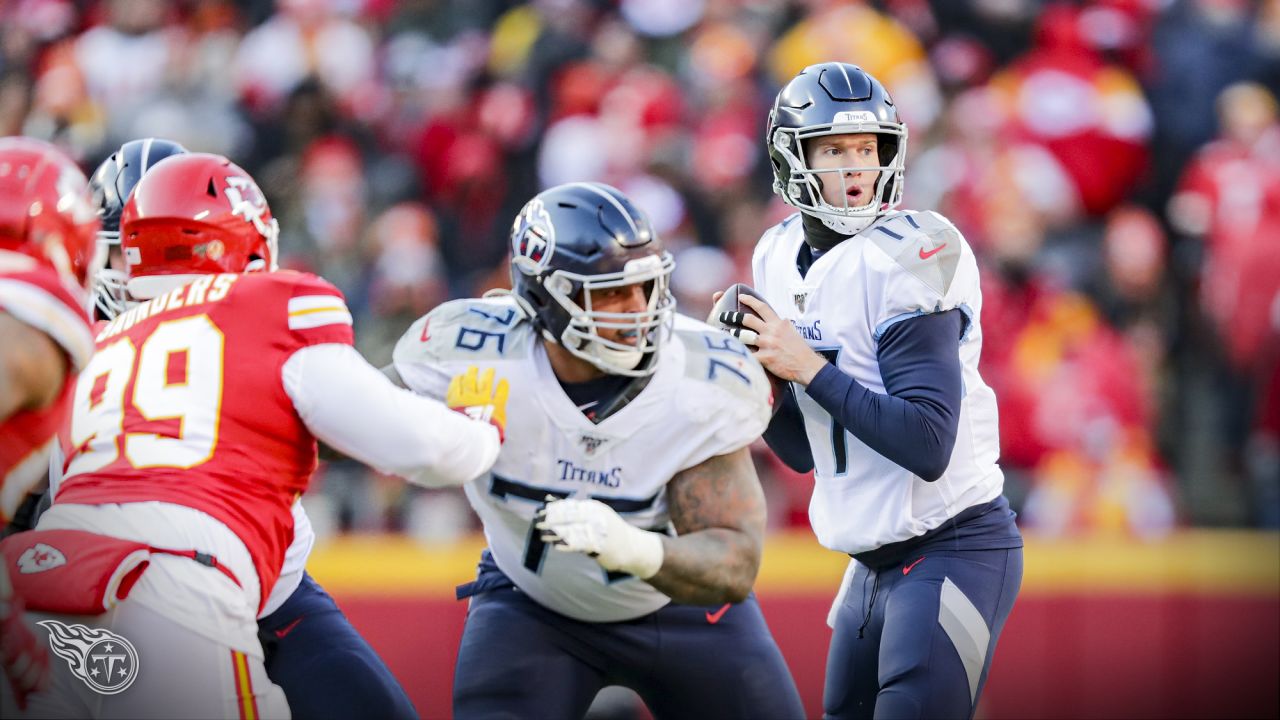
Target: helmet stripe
146,155
614,201
844,70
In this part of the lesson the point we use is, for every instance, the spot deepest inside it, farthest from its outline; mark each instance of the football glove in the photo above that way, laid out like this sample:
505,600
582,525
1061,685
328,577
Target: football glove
477,397
729,310
593,528
25,661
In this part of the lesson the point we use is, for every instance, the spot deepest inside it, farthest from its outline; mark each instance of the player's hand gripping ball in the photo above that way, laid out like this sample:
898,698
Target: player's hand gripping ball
727,315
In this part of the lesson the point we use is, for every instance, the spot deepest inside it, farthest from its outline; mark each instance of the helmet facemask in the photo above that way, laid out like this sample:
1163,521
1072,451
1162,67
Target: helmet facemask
110,296
801,187
111,185
581,336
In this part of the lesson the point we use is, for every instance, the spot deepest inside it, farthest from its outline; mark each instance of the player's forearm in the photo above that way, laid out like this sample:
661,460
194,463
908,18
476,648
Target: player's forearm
708,567
348,404
717,508
916,423
786,437
899,429
464,449
32,367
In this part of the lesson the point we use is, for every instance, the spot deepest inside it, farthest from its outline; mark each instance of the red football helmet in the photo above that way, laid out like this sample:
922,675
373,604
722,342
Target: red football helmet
191,215
45,211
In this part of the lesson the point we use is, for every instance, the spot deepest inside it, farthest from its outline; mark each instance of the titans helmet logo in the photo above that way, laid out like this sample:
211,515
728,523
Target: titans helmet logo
533,237
104,661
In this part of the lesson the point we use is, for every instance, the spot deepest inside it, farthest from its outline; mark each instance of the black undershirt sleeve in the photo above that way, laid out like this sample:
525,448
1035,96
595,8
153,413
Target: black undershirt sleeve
915,423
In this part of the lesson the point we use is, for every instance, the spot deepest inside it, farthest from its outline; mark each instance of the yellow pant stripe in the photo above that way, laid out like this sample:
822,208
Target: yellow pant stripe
244,686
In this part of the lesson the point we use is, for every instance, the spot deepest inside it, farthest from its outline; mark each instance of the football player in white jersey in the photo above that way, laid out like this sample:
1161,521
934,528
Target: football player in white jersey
873,315
624,516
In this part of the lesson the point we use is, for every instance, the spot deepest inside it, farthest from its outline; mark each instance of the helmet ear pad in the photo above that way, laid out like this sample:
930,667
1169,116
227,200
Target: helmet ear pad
887,149
548,316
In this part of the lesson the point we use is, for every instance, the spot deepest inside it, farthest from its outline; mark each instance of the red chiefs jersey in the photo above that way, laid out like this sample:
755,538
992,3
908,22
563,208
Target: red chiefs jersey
184,403
35,295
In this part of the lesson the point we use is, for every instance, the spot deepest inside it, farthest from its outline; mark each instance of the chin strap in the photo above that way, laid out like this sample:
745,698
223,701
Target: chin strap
622,399
818,235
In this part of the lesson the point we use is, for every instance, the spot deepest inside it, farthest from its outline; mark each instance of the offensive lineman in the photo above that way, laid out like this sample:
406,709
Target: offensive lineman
624,517
873,314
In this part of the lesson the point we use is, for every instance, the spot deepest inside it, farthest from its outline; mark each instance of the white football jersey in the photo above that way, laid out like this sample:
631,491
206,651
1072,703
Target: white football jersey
708,397
904,265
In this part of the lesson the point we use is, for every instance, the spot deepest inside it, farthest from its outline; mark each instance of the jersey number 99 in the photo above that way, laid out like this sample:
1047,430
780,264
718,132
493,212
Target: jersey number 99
175,375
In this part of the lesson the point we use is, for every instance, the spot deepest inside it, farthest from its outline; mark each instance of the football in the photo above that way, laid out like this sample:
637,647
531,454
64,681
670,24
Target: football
727,315
731,302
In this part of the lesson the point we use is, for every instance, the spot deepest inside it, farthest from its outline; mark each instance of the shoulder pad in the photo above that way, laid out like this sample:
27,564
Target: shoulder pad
470,329
35,295
719,359
302,281
778,231
925,244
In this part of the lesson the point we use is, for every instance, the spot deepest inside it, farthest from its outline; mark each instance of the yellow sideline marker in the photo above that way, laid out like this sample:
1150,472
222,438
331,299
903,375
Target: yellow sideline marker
1212,562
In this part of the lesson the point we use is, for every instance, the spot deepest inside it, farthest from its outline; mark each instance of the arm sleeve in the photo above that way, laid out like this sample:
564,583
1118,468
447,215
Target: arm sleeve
348,404
786,436
915,424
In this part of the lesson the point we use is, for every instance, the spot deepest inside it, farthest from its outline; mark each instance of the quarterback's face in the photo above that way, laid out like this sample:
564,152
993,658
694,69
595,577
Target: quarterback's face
633,298
845,151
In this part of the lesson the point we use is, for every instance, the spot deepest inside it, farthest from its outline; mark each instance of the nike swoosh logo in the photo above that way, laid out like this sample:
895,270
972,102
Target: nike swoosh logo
714,617
908,568
287,628
926,255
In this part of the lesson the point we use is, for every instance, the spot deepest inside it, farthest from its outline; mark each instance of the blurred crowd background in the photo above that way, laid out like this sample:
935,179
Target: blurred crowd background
1115,164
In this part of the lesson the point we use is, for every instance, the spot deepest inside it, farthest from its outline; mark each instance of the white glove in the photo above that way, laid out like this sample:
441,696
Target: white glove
593,528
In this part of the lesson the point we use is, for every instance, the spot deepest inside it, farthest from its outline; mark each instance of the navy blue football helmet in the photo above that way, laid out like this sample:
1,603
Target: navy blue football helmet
835,99
579,237
110,186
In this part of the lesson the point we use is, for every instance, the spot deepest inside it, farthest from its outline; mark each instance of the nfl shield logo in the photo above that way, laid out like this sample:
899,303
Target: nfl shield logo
591,443
800,298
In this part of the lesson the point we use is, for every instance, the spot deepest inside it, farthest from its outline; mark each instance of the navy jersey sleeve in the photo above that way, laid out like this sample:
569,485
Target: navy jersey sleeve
785,435
915,424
